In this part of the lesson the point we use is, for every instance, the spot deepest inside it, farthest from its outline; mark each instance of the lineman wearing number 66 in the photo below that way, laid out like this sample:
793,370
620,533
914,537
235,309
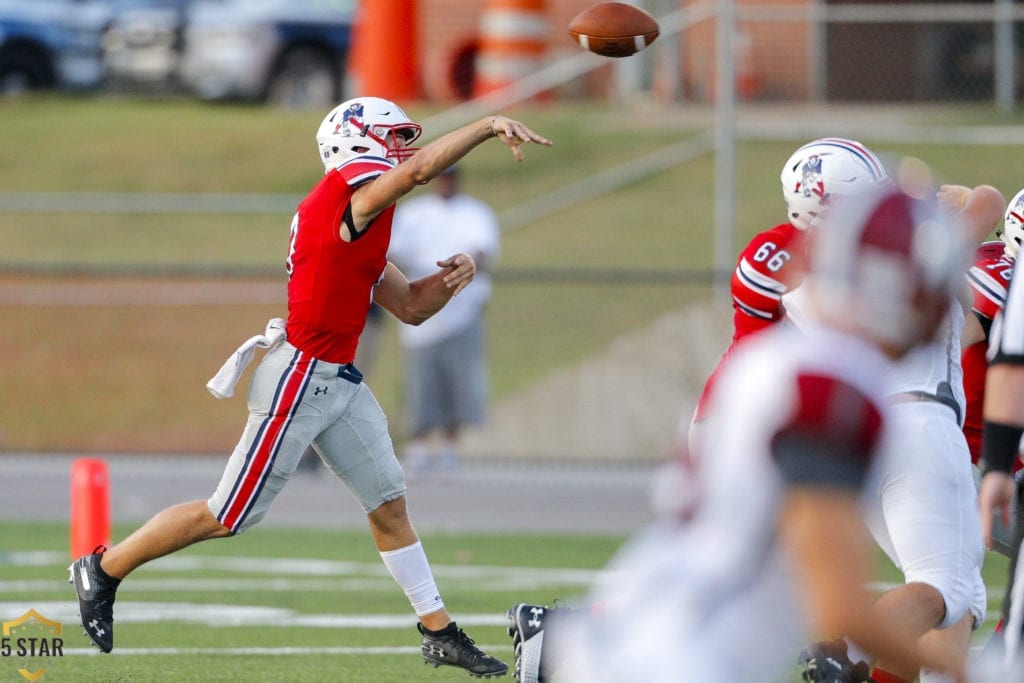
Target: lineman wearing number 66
774,261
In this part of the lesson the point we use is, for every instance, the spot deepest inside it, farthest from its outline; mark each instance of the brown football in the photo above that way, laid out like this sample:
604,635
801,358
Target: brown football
614,29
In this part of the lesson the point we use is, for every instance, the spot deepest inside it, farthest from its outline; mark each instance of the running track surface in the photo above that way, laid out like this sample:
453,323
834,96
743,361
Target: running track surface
479,496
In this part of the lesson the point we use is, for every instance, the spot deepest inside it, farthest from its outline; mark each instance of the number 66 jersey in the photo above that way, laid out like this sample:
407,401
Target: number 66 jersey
773,263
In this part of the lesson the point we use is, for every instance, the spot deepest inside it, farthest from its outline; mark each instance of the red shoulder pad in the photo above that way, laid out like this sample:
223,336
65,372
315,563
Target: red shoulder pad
990,282
361,169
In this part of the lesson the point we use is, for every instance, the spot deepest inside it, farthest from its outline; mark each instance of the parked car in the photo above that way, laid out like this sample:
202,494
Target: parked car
278,51
143,43
51,43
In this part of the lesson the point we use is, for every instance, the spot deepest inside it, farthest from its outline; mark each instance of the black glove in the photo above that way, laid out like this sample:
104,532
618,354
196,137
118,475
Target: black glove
827,662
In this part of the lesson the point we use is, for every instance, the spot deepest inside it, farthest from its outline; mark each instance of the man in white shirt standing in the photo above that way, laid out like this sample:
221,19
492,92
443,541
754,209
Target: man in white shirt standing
446,385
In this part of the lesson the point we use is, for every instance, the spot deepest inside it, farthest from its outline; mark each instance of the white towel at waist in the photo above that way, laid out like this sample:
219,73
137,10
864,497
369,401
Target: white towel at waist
222,385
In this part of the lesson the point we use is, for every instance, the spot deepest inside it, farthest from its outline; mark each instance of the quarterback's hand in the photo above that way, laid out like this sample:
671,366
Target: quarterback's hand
515,134
995,494
461,269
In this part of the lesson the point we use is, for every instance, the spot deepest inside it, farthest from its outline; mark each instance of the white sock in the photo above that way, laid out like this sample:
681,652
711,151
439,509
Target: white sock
448,454
411,571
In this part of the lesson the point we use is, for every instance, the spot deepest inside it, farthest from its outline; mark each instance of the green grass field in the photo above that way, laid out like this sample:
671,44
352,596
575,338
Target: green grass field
286,605
300,605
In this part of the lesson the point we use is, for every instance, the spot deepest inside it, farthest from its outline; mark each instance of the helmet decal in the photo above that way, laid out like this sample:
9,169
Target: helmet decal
353,114
811,182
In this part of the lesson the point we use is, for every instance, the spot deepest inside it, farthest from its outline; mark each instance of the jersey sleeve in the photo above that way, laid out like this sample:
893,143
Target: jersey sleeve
990,281
363,169
1006,341
768,267
830,437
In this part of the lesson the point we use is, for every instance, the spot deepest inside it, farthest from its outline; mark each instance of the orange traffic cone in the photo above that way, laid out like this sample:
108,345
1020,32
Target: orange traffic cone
90,505
747,85
512,42
383,58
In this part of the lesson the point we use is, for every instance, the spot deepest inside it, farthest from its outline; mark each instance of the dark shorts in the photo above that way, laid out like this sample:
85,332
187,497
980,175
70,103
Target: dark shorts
446,383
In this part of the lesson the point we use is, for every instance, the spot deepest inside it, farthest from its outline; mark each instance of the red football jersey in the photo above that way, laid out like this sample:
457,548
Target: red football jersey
331,281
989,278
772,263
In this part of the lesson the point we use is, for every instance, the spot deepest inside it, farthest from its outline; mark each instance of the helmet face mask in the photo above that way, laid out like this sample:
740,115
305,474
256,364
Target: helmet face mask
1013,226
366,126
818,172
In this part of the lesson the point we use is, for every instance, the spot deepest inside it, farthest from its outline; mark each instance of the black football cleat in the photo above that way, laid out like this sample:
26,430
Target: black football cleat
452,647
96,591
526,626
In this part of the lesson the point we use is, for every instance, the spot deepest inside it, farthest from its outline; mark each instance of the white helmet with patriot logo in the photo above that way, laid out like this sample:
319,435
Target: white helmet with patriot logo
1013,226
823,169
366,126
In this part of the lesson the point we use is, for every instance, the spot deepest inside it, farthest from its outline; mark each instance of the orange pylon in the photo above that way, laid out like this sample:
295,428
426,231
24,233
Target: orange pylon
90,505
384,55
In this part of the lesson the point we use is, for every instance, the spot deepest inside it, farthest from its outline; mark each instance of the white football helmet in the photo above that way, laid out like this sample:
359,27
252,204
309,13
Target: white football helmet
366,126
823,169
1013,226
886,266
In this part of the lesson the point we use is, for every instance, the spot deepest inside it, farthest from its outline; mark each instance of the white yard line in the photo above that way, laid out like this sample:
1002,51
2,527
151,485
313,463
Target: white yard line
370,575
513,576
281,585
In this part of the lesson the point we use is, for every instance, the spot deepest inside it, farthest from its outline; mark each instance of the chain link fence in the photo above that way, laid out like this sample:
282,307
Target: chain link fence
824,51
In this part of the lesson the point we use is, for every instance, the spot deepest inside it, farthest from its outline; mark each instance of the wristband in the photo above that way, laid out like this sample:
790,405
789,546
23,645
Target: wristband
999,446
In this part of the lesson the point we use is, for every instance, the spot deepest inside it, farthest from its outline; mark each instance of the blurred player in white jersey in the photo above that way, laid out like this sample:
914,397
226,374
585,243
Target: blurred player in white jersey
775,260
773,549
922,509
